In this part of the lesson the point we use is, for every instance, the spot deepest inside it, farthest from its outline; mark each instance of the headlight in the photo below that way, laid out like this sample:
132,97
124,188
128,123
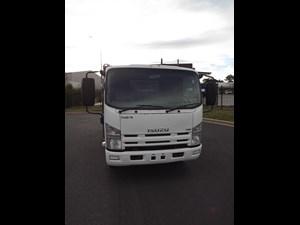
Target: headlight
113,137
197,134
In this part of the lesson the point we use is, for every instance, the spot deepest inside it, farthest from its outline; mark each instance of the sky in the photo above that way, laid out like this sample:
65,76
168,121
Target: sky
123,32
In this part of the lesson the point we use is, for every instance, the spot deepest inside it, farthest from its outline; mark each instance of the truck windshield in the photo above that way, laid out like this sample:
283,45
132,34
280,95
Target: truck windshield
130,87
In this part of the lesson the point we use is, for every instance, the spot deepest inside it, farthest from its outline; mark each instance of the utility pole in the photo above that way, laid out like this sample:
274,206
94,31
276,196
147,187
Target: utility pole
101,59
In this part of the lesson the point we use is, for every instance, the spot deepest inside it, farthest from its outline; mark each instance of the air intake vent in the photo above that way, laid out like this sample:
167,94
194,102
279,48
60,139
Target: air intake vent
155,135
130,135
183,133
154,142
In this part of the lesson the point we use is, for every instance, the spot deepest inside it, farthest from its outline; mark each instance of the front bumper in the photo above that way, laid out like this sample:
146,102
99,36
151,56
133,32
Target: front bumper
151,156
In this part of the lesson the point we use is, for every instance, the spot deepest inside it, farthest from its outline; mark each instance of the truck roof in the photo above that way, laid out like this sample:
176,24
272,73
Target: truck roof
153,66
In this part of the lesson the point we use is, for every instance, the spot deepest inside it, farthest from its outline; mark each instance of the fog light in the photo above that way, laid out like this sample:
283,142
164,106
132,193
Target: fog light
196,152
114,157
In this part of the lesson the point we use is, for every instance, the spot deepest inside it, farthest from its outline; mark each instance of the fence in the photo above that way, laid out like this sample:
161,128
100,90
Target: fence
225,97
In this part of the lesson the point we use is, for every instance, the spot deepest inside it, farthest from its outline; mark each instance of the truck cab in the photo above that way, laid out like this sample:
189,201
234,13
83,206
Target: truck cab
150,113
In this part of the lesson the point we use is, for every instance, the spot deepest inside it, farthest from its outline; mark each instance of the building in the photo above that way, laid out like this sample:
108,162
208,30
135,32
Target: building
75,78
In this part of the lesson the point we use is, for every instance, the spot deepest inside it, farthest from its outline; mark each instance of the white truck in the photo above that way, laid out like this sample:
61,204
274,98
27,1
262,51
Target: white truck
150,113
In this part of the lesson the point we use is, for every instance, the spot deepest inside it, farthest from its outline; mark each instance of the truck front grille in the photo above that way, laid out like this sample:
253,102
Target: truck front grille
158,147
137,142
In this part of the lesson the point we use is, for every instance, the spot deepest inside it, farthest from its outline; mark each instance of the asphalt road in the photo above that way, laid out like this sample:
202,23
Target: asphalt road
187,193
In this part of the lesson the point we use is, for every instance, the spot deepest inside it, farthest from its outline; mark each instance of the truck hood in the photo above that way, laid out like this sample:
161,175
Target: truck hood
157,123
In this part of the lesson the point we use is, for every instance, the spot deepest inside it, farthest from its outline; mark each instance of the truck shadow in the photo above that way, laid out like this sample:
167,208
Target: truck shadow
149,173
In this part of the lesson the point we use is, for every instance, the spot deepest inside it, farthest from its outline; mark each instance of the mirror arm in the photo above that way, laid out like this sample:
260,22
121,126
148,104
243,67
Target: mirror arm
98,113
211,108
86,75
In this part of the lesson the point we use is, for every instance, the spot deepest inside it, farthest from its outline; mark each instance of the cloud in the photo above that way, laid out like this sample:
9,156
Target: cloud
143,31
197,5
206,38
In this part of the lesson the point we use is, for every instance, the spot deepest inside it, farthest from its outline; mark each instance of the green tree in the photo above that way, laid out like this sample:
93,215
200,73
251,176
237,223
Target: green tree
69,87
229,78
68,95
76,97
205,80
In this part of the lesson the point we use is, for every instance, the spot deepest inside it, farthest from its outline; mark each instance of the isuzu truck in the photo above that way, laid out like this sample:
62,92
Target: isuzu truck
150,113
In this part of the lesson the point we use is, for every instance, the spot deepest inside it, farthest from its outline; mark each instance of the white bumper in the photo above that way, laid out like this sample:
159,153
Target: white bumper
151,157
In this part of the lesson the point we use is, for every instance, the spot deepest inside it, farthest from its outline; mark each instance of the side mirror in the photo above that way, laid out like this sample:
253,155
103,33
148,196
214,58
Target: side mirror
211,93
88,91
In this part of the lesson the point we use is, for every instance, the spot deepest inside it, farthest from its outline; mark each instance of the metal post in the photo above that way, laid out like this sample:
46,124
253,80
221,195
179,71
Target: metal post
177,62
161,61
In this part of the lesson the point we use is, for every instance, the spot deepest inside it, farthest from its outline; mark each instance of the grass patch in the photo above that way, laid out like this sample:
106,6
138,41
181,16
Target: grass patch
96,108
227,113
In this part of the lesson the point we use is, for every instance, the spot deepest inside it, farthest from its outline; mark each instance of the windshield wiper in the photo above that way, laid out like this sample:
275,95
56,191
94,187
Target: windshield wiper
143,107
183,106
